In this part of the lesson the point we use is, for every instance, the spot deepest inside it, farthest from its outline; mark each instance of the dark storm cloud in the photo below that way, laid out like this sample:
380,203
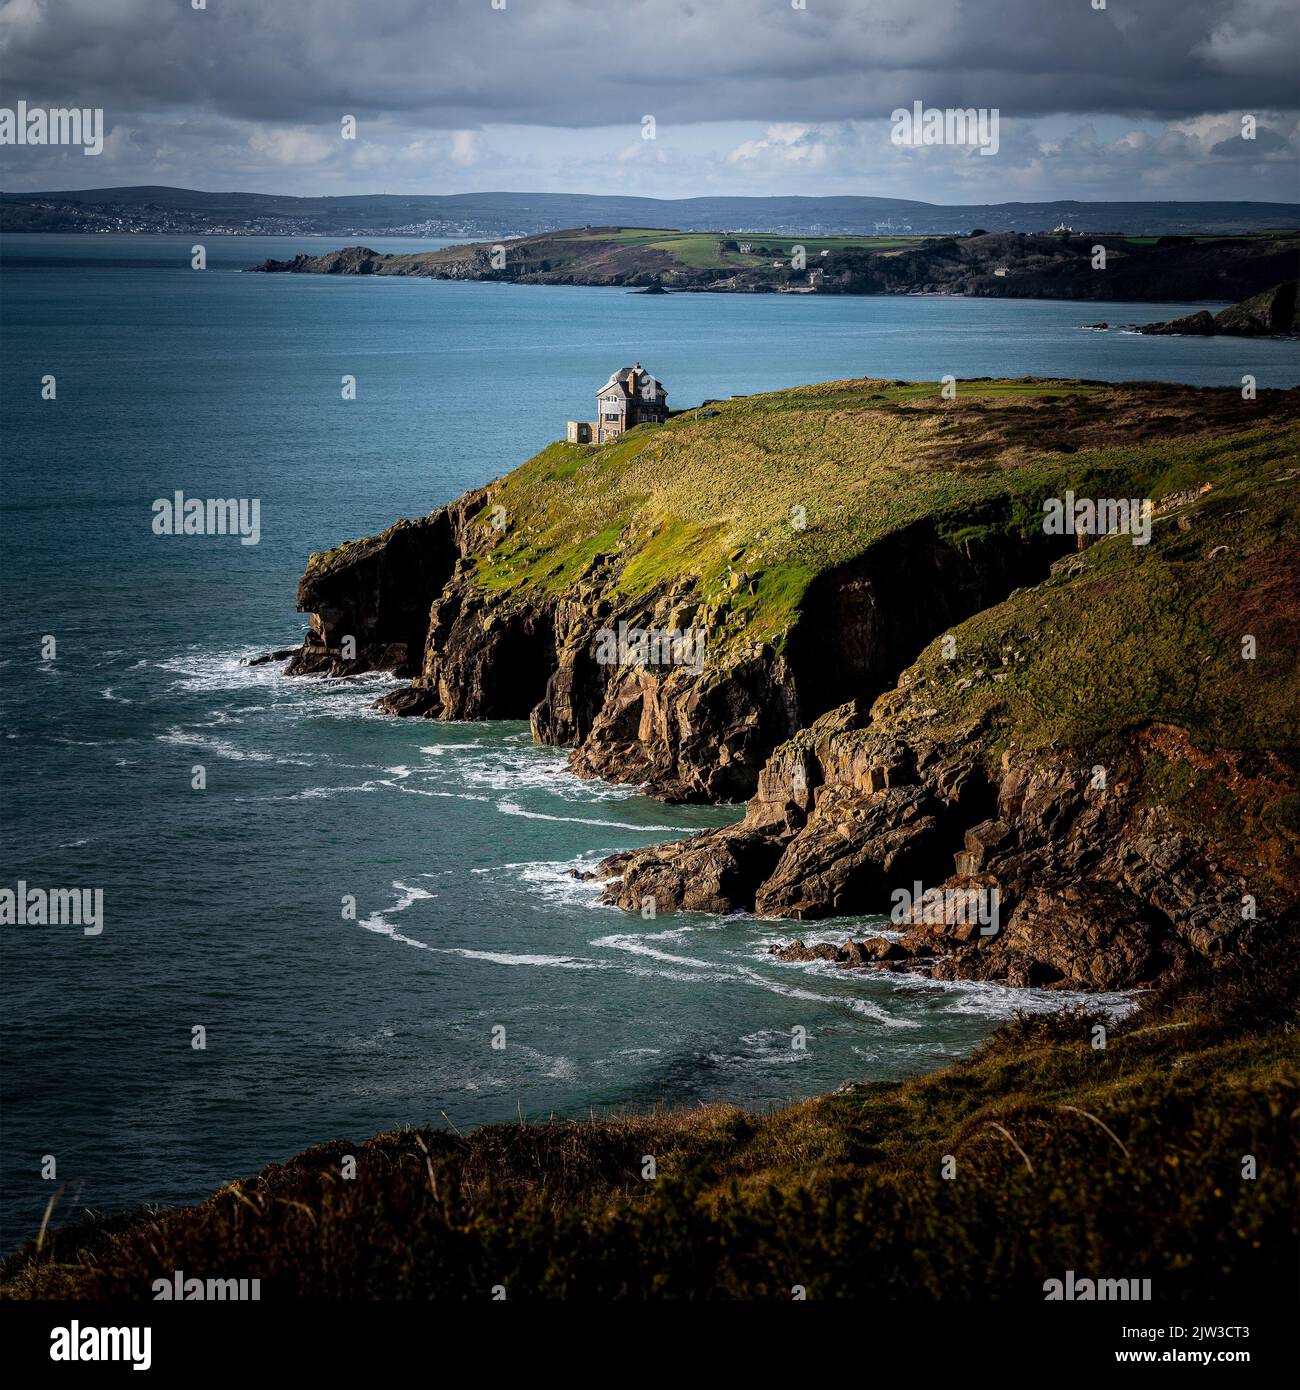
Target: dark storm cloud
459,63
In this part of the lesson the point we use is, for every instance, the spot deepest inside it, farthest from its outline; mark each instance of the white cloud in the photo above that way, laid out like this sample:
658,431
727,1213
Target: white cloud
782,145
464,147
291,145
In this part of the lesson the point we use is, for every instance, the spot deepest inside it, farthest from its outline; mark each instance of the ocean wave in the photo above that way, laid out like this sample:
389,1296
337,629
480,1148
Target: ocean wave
640,944
508,807
224,748
555,879
535,767
522,958
981,998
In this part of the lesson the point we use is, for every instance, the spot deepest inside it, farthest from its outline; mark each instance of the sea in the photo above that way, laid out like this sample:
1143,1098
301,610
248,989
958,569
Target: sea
233,1009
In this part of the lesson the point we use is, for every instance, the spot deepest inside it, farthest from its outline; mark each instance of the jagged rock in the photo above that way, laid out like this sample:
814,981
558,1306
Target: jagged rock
264,658
409,702
853,955
797,951
1272,313
410,600
377,592
711,872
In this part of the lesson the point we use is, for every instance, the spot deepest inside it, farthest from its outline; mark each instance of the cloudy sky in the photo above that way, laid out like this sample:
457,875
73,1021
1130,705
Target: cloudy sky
1139,99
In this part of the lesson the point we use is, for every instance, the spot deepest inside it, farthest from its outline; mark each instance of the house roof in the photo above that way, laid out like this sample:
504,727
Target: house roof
633,380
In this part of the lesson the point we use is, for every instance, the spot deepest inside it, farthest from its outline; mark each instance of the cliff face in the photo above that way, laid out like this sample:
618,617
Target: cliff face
912,678
1096,751
369,600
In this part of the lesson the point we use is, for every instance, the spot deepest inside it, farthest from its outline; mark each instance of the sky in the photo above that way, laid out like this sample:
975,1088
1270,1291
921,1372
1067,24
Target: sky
1100,99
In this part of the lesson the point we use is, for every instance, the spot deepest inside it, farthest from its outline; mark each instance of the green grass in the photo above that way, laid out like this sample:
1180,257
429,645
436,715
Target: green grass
706,503
1127,1161
1157,629
703,250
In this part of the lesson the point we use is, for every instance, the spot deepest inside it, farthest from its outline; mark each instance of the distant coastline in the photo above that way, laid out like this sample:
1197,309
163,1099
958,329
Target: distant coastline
1003,265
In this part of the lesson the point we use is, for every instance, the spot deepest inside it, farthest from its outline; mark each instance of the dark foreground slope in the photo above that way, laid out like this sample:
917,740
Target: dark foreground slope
1165,1154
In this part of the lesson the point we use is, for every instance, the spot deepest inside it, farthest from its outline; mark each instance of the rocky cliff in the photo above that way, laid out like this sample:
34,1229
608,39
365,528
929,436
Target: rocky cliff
913,679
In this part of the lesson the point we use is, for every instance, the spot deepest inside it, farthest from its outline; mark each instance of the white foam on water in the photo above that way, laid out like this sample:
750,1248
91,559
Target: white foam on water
200,671
534,767
554,879
409,896
979,998
554,1068
447,796
639,944
224,748
990,999
508,807
377,924
512,958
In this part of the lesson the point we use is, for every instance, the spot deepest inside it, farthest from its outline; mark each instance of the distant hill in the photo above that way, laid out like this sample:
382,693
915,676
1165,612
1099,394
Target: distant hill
153,208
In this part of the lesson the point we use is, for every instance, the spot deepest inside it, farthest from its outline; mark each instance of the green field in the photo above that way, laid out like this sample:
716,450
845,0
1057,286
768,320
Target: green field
702,250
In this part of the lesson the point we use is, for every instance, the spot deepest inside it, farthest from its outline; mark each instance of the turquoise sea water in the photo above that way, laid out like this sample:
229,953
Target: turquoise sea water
222,906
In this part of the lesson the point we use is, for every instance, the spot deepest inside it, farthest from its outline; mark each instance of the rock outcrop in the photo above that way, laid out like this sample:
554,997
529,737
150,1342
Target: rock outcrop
1274,313
369,600
410,601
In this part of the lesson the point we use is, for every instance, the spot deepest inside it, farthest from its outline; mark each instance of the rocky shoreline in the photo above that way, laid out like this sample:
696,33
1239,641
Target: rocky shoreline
941,707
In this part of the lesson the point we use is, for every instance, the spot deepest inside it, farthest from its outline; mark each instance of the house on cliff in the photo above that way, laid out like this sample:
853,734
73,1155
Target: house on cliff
630,397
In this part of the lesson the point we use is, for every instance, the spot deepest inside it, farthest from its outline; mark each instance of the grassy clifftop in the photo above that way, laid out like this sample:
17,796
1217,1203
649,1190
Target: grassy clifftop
748,501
